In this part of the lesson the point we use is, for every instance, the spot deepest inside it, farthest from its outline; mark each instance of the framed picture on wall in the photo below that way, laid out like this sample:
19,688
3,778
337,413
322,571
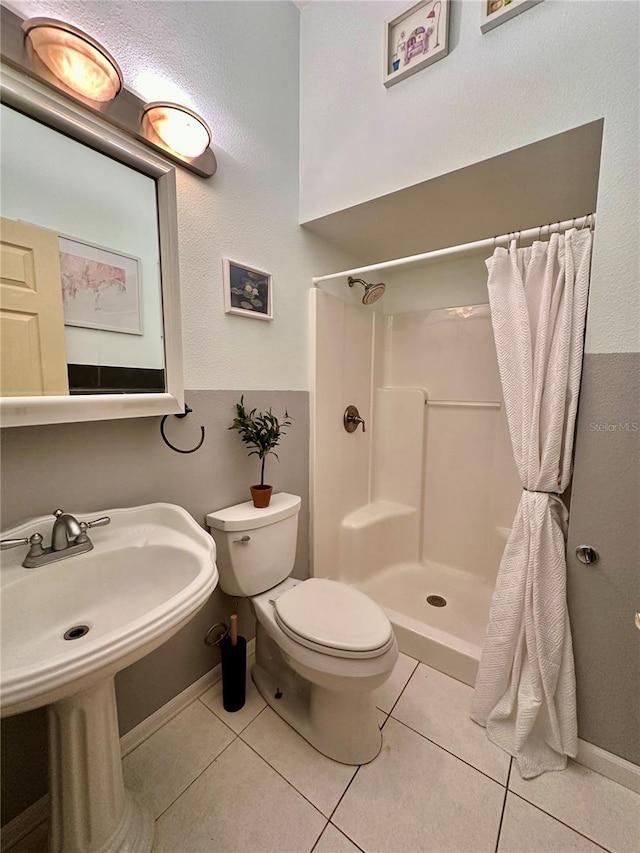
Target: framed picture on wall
247,291
496,12
415,38
100,287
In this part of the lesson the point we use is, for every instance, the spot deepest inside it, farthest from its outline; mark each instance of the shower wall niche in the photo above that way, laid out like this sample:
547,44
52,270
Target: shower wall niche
420,504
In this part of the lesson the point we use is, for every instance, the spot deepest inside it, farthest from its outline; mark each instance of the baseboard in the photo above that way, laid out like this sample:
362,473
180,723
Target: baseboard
38,812
173,707
24,823
607,764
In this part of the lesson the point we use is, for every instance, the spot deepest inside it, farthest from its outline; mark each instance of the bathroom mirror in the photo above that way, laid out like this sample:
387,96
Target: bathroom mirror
89,293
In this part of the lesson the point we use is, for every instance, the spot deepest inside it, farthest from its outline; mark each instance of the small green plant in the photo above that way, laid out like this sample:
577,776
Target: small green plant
260,431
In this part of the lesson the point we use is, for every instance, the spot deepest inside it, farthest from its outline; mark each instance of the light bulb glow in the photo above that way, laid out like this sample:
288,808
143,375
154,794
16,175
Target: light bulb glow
75,59
179,129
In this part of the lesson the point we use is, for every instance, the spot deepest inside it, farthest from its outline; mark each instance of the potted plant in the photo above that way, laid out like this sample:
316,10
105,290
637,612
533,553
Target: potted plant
262,432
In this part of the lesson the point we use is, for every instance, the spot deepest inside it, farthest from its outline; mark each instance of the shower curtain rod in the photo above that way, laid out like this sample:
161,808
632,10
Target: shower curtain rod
464,248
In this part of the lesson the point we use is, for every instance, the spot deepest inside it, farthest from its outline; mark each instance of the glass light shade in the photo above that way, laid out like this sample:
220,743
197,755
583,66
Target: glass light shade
75,58
178,128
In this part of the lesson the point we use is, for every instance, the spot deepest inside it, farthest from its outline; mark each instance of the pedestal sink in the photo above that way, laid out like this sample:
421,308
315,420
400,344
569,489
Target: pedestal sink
150,571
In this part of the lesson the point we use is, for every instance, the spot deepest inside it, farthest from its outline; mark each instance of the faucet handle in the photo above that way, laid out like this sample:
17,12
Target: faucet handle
85,525
12,543
35,541
97,522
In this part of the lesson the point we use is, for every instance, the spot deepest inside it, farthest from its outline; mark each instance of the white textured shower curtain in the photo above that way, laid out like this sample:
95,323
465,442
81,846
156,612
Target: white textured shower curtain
525,689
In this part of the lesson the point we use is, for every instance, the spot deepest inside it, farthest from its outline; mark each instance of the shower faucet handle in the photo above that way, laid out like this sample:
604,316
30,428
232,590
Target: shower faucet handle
352,418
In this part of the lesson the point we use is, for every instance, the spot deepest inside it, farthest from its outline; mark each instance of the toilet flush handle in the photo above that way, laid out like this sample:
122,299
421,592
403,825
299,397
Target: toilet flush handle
242,541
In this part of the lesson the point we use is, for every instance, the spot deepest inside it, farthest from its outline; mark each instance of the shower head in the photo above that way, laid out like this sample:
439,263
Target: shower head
372,292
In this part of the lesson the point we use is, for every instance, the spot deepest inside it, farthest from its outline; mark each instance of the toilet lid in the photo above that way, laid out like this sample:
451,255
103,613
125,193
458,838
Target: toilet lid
333,615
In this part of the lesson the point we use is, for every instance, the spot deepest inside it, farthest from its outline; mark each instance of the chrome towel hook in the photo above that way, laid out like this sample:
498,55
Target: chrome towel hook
187,410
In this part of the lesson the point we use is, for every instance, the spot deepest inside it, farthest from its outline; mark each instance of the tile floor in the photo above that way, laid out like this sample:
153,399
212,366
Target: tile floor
247,782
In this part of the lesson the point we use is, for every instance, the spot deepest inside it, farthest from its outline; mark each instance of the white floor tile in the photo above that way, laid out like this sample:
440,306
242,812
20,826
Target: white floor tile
168,761
333,841
321,780
236,720
239,804
387,695
590,803
438,707
525,829
382,717
416,797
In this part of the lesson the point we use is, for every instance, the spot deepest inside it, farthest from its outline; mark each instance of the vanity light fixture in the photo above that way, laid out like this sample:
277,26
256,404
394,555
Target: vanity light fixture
76,59
175,127
72,63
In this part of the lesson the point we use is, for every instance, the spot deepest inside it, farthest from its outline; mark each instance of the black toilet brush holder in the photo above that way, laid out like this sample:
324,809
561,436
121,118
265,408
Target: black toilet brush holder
233,655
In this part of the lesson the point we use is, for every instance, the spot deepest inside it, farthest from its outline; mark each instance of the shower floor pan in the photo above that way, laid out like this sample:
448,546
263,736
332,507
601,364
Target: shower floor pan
448,638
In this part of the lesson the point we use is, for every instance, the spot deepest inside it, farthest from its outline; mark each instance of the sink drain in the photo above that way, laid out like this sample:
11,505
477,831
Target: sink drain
76,632
436,601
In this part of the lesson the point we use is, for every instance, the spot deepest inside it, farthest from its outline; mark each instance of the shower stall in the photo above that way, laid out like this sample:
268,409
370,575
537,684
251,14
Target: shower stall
413,506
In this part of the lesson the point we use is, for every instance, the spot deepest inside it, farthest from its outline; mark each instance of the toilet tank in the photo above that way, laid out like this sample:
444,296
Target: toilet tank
256,547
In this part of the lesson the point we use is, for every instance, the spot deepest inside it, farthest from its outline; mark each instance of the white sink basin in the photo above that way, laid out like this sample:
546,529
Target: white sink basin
151,569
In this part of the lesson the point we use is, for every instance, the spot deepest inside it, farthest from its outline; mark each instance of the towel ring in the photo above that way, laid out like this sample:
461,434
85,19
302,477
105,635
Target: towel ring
187,410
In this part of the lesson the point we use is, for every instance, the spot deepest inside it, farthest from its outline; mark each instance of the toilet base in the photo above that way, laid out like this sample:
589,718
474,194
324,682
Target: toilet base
342,726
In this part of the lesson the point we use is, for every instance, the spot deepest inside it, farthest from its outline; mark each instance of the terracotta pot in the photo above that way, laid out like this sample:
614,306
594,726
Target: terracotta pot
261,496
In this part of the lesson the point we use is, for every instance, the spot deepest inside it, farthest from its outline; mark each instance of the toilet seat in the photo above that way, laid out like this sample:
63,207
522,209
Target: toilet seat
333,618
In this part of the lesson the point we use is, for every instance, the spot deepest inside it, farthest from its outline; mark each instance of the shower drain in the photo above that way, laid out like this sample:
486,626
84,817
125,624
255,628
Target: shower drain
76,632
436,601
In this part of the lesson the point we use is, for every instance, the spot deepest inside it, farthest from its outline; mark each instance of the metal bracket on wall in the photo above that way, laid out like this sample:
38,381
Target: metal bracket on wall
187,410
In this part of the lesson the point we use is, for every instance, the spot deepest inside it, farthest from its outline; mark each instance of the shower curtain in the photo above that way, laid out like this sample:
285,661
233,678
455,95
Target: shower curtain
525,689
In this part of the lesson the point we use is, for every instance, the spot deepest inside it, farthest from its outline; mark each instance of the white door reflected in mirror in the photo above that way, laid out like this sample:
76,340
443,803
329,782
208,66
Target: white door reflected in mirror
33,356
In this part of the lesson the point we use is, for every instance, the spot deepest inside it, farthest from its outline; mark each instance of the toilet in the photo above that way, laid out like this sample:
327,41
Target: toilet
322,647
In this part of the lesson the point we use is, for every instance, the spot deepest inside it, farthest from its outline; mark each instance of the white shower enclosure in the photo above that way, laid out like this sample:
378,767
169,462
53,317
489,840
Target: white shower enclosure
415,511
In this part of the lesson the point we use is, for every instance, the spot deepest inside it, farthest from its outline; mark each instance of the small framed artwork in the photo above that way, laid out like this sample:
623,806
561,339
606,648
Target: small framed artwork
415,38
247,291
100,287
496,12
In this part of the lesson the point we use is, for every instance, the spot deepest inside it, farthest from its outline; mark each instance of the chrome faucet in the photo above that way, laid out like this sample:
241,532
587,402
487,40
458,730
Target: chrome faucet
66,529
68,537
